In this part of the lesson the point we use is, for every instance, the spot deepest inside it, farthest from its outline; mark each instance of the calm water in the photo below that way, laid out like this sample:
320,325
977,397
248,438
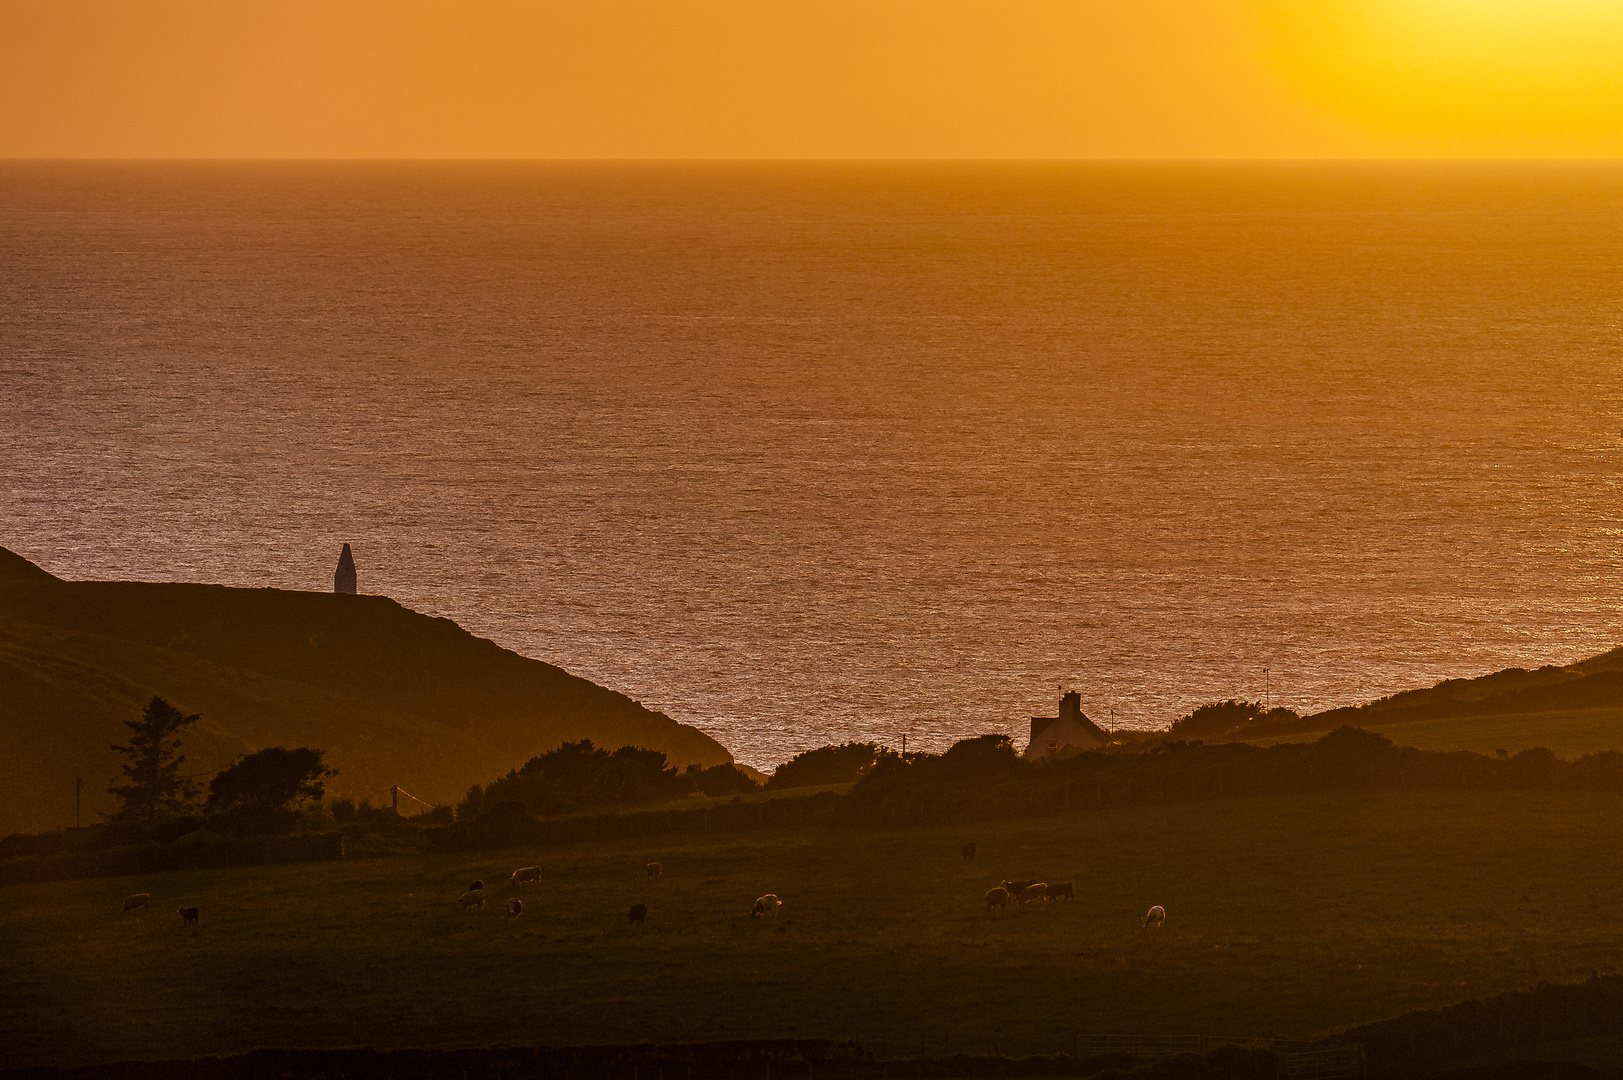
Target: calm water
802,453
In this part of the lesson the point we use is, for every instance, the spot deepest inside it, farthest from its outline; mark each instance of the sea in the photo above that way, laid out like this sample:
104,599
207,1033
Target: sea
807,452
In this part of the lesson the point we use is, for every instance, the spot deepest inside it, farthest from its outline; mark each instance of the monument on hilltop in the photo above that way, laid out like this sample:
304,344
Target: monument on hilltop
343,579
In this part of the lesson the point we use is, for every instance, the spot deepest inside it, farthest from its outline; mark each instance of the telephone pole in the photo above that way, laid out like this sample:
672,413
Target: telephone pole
78,787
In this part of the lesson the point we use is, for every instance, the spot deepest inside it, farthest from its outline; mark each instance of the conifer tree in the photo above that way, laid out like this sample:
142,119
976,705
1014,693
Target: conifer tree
153,785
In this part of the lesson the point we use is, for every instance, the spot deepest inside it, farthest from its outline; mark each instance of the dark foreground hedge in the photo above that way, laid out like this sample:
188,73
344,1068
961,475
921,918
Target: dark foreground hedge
802,1059
1418,1043
152,858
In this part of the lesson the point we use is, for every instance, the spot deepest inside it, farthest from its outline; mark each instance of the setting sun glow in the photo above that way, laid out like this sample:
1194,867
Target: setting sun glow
1511,75
831,79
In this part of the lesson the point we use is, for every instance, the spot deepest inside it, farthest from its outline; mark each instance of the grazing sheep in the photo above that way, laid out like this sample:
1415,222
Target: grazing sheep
478,885
1016,887
139,900
996,898
766,905
969,852
1062,891
525,873
188,916
515,908
473,898
1035,891
638,914
1156,916
655,869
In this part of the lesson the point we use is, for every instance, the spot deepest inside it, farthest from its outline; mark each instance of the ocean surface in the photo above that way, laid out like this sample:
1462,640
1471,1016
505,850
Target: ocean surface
801,453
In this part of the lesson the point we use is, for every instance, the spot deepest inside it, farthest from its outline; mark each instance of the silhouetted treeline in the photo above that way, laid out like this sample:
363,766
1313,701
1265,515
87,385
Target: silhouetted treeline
984,778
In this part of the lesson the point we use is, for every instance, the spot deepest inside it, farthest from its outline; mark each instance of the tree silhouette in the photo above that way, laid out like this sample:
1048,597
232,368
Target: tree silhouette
153,785
262,791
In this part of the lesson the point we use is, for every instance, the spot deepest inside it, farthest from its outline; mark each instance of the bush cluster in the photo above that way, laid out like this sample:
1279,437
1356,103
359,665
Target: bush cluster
843,764
579,776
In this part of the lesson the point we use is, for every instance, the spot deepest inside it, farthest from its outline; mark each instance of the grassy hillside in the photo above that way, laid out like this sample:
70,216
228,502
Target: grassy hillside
393,696
1286,915
1571,734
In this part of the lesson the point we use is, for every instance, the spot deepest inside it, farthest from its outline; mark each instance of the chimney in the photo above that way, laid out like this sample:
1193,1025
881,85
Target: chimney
343,579
1070,707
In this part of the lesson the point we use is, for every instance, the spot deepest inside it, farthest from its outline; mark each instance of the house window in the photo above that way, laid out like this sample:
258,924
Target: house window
1053,746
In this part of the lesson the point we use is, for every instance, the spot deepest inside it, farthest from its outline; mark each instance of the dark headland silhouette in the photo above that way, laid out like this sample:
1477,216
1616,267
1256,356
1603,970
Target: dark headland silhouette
391,695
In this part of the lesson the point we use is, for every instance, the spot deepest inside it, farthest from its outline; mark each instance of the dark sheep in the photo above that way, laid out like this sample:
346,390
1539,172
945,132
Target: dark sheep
1064,890
638,914
477,885
996,899
515,908
188,916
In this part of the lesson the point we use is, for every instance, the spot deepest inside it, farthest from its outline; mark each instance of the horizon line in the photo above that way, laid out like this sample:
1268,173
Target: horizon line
1190,160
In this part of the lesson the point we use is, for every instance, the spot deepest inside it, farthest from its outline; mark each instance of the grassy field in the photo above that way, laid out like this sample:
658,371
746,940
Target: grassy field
1290,916
1570,734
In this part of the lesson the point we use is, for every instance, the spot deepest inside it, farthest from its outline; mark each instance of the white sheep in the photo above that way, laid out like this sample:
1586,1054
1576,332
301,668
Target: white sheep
526,873
473,898
1156,916
139,900
767,905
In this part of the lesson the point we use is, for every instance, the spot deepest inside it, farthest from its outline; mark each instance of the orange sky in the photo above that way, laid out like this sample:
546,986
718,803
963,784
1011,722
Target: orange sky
793,78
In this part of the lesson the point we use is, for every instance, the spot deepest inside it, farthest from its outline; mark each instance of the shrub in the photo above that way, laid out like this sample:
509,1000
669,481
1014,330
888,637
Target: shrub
845,763
719,780
264,791
472,804
1217,718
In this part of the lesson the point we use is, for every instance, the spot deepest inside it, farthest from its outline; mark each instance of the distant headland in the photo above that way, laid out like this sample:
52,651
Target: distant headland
394,697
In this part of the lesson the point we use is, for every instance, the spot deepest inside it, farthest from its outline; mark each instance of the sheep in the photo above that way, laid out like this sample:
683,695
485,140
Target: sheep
478,885
968,851
655,869
638,914
1156,916
1062,891
1016,887
1035,891
473,898
767,905
188,916
515,908
997,897
525,873
139,900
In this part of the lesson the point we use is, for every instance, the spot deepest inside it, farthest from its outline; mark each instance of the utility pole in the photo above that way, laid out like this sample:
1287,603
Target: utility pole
394,800
1268,690
904,745
78,787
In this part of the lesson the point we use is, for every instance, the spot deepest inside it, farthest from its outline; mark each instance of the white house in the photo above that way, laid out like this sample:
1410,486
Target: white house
1070,730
